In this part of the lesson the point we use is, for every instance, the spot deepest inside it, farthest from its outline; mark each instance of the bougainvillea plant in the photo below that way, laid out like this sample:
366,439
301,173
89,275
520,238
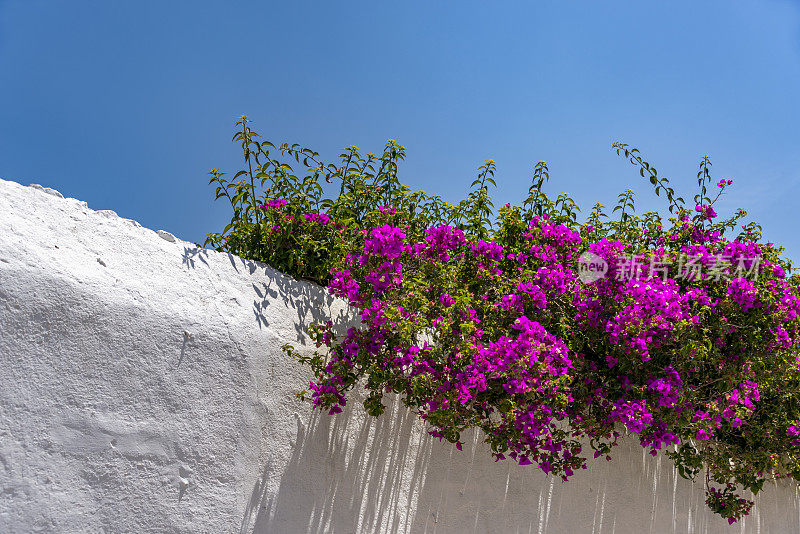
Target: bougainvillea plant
552,337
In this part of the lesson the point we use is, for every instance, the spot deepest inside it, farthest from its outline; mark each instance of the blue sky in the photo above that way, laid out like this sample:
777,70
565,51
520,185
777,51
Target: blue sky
127,105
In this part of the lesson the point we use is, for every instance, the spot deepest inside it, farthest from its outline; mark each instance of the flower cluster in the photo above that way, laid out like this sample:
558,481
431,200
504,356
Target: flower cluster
726,503
274,204
320,218
706,212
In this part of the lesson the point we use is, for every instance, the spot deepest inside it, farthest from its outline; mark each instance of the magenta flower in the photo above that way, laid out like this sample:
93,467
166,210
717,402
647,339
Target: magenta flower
274,204
706,212
321,218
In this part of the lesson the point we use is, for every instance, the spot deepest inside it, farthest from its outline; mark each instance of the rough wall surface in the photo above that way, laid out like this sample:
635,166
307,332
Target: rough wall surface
143,389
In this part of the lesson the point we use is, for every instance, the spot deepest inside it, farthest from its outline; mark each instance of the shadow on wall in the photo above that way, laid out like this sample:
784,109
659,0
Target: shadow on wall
346,474
352,473
311,303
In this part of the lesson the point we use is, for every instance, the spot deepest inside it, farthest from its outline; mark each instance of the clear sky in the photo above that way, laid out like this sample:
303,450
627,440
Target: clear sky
127,105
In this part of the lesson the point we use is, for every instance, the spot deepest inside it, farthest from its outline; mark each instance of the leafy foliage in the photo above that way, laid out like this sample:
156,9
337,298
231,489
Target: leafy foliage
689,339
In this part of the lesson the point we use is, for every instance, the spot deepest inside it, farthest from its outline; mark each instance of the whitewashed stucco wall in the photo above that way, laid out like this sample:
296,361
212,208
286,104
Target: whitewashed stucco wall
143,389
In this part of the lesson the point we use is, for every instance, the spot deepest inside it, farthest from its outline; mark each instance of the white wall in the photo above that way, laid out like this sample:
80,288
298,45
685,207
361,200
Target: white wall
142,389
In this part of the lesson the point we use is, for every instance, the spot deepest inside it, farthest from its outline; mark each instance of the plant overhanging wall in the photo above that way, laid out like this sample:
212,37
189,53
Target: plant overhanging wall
549,335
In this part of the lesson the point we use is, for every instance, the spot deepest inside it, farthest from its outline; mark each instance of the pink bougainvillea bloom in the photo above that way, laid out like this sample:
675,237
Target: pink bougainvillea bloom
274,204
